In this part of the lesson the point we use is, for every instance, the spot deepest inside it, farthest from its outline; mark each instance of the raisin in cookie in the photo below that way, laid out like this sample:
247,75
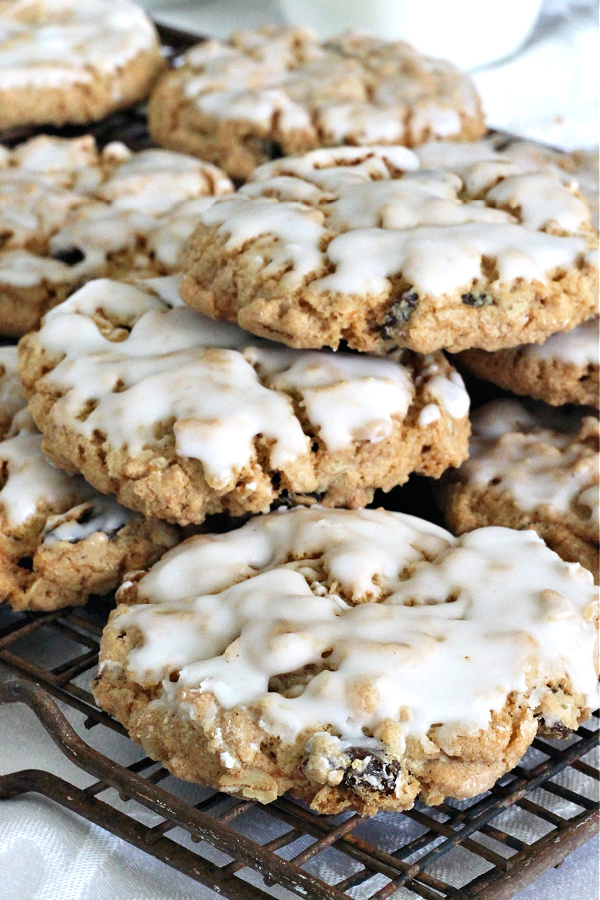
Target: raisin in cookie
60,540
530,468
65,61
69,212
564,369
344,656
274,91
182,417
450,246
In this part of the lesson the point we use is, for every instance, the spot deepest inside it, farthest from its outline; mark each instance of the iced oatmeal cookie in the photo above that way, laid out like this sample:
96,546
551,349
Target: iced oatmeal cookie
64,61
69,212
530,467
450,246
182,417
274,91
344,656
60,540
564,369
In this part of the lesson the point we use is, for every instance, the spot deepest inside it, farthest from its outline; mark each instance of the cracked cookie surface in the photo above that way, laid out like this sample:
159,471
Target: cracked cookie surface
531,467
182,417
274,91
70,212
451,246
344,656
60,540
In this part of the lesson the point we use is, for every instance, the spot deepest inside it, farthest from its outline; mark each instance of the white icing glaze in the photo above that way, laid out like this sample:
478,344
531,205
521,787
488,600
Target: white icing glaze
102,514
151,375
54,43
434,225
58,195
11,390
345,397
23,269
579,347
228,612
30,483
341,91
539,463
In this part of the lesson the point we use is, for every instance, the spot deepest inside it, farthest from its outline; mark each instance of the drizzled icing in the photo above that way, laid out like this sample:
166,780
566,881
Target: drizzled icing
102,514
349,90
541,462
67,209
579,347
165,351
399,619
11,391
433,216
31,484
54,43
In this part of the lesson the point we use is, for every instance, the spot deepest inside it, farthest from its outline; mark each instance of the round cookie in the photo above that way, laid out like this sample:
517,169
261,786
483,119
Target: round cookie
450,246
564,369
69,213
73,61
60,540
344,656
182,417
582,165
274,91
530,469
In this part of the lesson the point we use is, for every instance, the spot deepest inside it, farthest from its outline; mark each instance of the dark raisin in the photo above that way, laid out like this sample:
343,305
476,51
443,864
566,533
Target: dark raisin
477,300
399,312
289,500
271,149
376,773
69,255
26,562
558,731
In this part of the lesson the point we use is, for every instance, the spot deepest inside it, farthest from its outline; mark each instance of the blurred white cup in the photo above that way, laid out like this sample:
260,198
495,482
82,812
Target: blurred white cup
470,33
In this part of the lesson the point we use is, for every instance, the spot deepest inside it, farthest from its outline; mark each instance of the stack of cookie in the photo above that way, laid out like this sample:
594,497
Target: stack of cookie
282,369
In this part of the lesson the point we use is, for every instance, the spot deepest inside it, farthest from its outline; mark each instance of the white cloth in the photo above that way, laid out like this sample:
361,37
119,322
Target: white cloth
550,92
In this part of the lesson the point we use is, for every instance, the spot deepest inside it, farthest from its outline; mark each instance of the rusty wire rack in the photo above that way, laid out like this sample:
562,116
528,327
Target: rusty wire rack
555,787
479,835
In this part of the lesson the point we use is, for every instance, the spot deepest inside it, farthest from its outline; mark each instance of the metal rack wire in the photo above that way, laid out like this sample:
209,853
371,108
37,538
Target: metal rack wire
427,859
505,861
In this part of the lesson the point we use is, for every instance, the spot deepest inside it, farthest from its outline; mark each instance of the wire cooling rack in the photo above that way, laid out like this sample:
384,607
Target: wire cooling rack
486,848
529,821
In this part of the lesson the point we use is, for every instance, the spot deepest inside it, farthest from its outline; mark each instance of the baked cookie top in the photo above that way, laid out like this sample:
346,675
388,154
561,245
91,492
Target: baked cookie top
42,507
126,362
282,90
579,347
541,459
337,632
564,369
452,245
58,43
69,211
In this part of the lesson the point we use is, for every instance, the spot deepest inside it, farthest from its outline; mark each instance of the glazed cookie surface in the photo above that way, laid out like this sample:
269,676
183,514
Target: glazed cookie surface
274,91
73,61
60,540
183,417
564,369
450,246
69,212
344,656
531,468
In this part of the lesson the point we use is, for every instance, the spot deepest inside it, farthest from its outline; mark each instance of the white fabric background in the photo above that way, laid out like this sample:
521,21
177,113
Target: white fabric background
549,91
